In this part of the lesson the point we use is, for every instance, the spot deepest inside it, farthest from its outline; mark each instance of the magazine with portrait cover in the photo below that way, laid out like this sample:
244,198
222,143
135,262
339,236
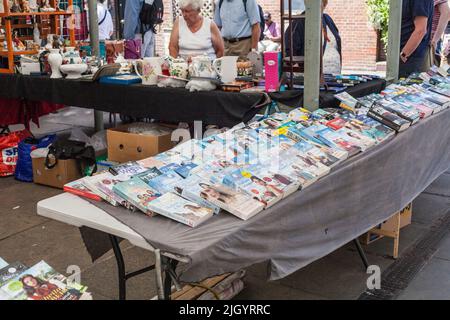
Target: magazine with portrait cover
321,154
237,203
102,184
166,182
335,139
299,156
137,192
42,282
191,190
357,138
10,271
78,188
246,181
275,177
388,118
180,209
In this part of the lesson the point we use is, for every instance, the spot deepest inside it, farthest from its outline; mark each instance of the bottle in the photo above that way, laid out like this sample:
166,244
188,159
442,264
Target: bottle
36,34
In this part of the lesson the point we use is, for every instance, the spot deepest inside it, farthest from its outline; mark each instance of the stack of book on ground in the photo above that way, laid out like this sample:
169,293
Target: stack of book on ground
250,168
40,282
223,287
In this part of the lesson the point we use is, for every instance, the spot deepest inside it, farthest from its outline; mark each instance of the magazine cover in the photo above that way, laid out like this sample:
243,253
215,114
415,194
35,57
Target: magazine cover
368,127
166,182
191,190
185,170
301,159
146,176
357,138
169,167
245,181
10,271
102,184
320,154
151,163
237,203
78,188
274,177
42,282
406,112
179,209
335,139
136,192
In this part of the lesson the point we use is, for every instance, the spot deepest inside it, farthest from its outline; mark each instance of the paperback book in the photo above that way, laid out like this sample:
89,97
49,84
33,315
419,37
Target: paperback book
127,169
320,154
102,184
10,271
388,118
336,139
166,182
78,188
138,193
179,209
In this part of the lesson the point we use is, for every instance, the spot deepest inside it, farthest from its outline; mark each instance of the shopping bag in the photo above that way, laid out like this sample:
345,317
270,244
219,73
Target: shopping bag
24,167
133,49
9,151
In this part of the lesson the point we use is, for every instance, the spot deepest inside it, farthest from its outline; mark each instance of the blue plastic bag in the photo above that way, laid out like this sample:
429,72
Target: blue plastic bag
24,168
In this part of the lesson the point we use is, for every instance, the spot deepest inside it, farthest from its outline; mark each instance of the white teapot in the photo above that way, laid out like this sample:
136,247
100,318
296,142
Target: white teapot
201,66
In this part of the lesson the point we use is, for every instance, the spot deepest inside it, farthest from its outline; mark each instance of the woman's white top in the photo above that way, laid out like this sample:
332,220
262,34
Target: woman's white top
331,57
198,43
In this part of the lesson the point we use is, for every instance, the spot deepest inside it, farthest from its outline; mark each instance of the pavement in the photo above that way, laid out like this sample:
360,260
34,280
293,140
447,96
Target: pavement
29,238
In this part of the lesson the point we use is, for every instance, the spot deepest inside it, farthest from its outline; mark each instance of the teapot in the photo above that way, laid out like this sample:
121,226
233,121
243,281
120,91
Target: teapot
71,56
178,67
201,66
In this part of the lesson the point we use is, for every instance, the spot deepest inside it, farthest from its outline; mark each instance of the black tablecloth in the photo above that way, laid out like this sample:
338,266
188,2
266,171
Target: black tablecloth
224,109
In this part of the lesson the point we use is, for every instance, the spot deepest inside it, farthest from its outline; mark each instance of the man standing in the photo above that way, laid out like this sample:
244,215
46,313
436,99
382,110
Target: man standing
441,17
415,35
132,28
105,23
239,21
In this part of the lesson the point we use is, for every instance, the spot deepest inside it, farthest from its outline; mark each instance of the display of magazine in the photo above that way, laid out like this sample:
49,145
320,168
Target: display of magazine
42,282
299,156
169,167
78,188
127,169
137,193
179,209
388,118
274,176
436,98
185,170
237,203
299,114
10,271
335,139
246,181
310,133
368,127
320,154
425,109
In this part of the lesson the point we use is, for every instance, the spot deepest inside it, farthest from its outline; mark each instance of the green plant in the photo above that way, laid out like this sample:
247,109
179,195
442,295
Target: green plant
378,11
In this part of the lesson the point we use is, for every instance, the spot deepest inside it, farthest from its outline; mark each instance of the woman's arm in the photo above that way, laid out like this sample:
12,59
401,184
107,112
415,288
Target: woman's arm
174,36
217,41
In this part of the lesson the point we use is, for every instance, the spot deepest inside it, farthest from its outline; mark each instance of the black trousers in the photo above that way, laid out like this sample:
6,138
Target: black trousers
411,65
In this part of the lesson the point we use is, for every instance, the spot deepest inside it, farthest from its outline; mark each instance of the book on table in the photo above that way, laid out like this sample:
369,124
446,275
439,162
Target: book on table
78,188
388,118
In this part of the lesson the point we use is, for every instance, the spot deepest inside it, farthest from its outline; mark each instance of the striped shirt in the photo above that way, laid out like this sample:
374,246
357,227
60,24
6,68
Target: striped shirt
436,16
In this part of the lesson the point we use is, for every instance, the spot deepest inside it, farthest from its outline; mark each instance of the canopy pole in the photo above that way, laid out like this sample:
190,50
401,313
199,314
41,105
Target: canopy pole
313,34
95,46
394,36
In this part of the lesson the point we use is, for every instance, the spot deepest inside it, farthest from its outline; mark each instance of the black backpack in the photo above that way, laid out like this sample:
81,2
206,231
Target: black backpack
262,23
151,15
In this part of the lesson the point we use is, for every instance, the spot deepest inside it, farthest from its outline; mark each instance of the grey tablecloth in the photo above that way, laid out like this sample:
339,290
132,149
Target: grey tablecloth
361,193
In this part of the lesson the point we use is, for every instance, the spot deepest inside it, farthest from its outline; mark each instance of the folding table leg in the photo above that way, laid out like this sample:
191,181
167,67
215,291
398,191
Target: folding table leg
361,252
120,267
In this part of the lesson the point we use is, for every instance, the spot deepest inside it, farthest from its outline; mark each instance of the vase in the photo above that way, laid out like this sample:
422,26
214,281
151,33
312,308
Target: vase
36,35
55,60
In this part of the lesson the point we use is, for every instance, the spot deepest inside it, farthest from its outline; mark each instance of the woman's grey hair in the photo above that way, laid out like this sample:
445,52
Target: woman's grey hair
195,4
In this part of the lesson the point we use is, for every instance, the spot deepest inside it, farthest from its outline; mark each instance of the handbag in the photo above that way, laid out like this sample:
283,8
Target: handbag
64,149
113,49
133,49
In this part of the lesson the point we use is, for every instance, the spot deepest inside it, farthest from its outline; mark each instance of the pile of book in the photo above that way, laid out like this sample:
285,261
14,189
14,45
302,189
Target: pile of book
251,167
40,282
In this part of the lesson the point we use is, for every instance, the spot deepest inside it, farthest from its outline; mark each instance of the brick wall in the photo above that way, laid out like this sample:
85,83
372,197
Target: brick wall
359,40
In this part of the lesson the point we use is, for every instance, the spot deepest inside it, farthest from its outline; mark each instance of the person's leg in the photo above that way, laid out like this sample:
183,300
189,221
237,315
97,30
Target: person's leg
242,48
148,46
227,46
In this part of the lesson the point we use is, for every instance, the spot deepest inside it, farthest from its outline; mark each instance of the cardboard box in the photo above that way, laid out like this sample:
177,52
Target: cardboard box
389,225
124,146
64,172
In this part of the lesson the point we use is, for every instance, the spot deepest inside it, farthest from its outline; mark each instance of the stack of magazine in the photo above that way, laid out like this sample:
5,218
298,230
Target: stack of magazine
40,282
252,167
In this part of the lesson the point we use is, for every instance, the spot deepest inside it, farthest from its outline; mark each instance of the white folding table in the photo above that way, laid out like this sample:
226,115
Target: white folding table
73,210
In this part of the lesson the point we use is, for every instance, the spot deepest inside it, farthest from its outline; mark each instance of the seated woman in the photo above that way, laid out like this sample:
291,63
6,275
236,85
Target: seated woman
332,51
194,35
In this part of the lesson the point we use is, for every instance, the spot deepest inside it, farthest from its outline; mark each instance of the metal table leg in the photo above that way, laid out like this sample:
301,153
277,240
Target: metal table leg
361,253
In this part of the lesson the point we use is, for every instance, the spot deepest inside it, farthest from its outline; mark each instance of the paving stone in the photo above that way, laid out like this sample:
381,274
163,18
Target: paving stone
441,186
428,208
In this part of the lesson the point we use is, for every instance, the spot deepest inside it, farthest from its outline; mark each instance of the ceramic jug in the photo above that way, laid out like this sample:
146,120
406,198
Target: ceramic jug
178,68
226,68
150,68
201,66
55,61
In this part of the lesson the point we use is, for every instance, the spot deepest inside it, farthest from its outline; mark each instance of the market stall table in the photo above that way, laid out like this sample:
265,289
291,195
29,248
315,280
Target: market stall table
356,196
224,109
